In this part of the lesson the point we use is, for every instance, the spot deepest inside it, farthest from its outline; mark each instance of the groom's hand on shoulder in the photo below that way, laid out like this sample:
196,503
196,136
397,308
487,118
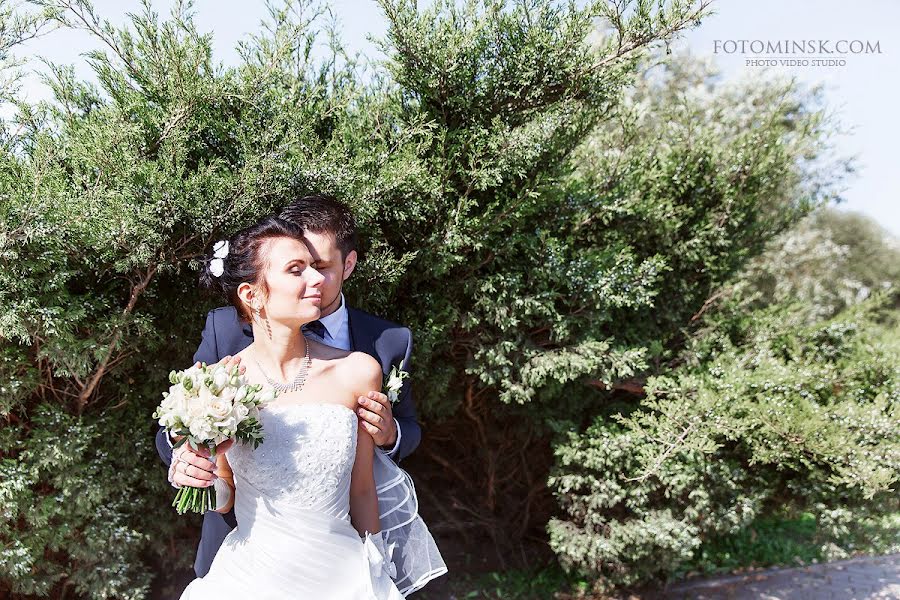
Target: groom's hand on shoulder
373,407
378,418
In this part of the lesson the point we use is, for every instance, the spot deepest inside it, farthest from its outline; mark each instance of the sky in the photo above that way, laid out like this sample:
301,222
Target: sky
862,92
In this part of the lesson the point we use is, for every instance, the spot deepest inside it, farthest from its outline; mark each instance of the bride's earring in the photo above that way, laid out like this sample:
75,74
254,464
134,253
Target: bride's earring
264,320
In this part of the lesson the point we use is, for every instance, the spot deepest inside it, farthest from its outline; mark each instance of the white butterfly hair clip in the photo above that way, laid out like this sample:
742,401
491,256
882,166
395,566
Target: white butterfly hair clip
217,264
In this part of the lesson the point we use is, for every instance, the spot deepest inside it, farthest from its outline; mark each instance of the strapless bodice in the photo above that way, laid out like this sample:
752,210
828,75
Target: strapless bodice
305,460
294,537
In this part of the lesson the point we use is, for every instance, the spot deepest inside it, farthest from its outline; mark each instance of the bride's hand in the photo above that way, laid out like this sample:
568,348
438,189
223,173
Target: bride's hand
193,469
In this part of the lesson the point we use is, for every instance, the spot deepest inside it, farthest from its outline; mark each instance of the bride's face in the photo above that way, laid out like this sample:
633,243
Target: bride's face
294,292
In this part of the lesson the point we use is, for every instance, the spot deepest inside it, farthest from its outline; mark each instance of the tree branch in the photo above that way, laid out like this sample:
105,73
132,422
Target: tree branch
136,291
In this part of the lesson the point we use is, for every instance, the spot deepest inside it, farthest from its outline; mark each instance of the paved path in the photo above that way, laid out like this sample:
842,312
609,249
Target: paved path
867,578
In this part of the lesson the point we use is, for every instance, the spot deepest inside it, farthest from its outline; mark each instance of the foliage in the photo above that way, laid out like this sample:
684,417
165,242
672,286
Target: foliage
111,192
829,261
545,222
571,284
791,540
793,417
755,403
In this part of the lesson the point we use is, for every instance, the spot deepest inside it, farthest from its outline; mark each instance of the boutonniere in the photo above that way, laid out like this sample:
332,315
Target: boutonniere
394,382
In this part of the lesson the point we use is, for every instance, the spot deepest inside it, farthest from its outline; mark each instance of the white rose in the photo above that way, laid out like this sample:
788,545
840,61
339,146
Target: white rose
218,409
227,394
197,407
174,405
202,429
222,416
170,402
205,396
240,411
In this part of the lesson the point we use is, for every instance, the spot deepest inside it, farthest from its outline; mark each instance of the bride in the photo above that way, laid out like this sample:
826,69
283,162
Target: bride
321,511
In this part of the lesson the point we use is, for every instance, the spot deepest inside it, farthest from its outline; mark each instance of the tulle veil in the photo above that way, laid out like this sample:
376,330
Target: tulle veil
413,556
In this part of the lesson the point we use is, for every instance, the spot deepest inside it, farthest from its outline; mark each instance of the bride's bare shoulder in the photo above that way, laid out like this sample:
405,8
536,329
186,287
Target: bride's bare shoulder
360,372
361,363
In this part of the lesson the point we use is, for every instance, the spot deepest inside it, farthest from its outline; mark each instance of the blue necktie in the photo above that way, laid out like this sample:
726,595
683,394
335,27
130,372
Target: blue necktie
316,328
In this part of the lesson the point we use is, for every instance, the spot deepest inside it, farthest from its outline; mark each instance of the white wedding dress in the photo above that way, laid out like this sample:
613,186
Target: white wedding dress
292,505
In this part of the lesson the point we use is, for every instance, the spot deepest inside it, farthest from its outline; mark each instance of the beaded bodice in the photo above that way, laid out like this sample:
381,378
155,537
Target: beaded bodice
305,459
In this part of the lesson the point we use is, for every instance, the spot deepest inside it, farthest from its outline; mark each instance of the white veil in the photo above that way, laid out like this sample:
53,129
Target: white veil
413,557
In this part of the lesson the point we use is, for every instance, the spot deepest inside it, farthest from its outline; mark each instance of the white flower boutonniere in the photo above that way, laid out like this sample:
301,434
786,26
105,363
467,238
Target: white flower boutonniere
394,383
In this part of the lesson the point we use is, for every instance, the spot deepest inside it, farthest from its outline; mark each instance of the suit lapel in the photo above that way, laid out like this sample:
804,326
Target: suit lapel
361,338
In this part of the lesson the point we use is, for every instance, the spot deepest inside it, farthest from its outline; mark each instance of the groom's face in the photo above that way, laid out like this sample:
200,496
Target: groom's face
328,261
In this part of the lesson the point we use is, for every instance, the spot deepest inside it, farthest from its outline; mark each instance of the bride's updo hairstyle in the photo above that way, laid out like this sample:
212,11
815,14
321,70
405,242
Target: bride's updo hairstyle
246,260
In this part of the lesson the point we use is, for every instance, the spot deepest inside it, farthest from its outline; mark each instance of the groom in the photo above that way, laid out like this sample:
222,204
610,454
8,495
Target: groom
330,232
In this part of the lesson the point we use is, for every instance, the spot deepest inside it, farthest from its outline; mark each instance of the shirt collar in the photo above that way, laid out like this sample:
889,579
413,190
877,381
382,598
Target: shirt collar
336,320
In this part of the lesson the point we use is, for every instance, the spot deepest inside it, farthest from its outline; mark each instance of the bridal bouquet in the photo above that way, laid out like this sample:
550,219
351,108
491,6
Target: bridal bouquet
208,405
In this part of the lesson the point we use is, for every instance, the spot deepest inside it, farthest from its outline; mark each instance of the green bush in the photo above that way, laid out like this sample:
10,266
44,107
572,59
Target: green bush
110,193
792,417
545,223
108,198
755,403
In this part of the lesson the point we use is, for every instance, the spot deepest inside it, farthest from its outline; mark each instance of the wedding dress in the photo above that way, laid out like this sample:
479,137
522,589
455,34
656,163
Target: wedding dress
292,505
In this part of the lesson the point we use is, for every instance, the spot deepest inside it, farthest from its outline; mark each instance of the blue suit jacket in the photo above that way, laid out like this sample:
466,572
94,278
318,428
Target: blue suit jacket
225,335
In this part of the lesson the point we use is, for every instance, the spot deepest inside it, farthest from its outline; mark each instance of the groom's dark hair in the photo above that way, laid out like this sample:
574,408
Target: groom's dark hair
321,213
